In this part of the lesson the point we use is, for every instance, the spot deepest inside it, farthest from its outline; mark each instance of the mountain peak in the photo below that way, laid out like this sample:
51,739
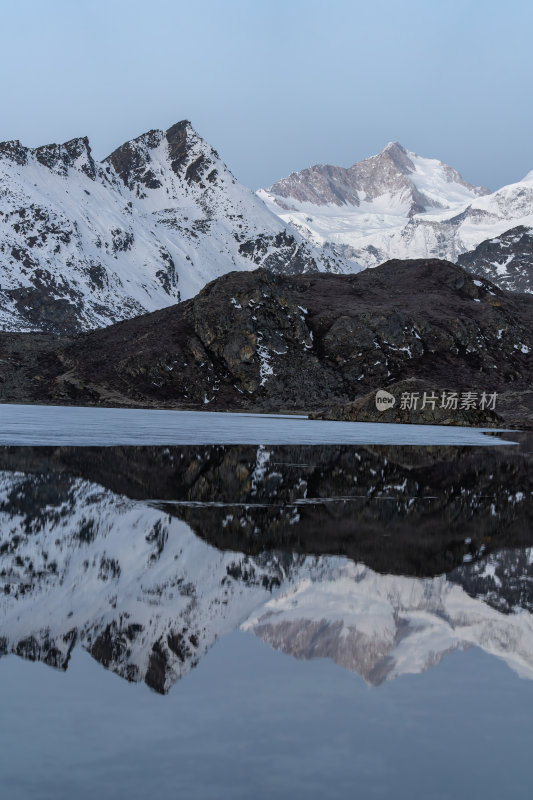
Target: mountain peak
392,152
83,244
132,161
15,151
76,153
187,150
395,147
398,179
179,129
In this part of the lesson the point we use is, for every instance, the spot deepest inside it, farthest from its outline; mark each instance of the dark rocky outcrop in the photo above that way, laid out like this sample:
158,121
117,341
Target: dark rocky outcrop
268,342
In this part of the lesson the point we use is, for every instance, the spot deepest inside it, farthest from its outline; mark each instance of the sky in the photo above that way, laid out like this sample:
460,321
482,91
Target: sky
278,85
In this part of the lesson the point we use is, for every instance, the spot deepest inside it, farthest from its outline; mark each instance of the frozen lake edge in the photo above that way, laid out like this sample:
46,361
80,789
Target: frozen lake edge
35,426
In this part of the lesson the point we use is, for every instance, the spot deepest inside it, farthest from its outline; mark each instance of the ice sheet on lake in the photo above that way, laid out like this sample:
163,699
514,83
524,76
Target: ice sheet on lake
59,425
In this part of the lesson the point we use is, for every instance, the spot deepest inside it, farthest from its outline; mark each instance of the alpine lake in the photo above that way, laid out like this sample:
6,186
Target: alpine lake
209,605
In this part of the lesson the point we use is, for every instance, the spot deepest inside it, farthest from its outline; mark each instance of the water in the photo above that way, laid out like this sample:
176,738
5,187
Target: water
211,619
251,722
55,425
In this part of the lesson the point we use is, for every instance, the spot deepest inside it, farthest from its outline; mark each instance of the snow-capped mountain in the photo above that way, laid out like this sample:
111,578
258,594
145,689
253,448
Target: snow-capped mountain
400,205
84,244
80,565
395,181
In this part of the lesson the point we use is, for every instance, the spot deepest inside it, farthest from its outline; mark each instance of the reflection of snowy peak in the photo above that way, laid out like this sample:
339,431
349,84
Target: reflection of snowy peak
130,584
84,244
383,626
80,565
398,205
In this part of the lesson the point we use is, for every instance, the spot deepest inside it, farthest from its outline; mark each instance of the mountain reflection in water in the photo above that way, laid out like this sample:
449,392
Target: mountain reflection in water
381,558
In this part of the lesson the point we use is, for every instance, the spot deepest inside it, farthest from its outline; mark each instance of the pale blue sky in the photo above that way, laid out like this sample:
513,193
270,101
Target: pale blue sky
277,85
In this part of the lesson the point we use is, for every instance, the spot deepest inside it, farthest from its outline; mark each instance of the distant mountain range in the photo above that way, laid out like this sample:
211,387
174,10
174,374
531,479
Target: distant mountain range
400,205
84,244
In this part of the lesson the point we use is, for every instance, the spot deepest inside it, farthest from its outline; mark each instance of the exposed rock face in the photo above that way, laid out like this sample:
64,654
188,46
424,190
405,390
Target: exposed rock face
84,244
506,260
271,342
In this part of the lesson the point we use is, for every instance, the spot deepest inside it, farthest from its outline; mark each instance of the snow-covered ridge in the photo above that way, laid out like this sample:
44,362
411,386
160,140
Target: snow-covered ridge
397,205
84,244
416,184
147,598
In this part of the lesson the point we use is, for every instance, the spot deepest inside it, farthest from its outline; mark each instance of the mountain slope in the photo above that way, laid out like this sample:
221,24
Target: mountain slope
384,626
85,244
507,260
400,205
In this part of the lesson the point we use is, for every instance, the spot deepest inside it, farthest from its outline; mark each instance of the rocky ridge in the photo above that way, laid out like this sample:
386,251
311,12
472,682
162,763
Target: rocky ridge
269,342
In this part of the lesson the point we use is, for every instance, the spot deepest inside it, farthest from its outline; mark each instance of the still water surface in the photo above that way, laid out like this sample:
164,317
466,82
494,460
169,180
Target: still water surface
213,620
